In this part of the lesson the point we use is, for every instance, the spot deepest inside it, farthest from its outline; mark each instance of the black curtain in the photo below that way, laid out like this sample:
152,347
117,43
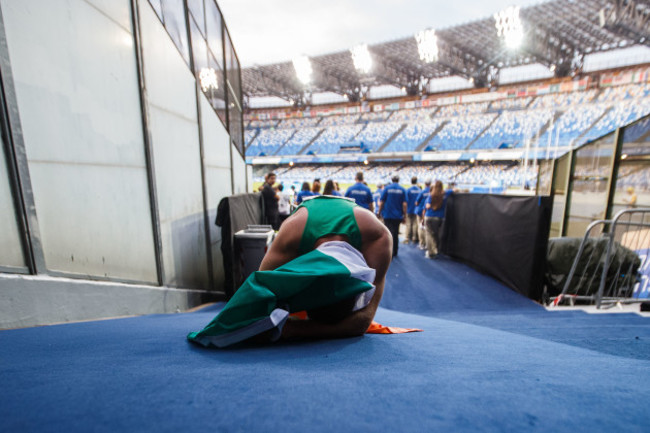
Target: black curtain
503,236
235,213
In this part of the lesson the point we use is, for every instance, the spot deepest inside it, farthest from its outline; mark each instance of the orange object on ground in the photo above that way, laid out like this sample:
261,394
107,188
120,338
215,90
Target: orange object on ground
374,328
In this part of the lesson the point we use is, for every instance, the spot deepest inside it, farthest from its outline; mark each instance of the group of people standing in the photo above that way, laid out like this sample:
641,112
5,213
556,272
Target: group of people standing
422,210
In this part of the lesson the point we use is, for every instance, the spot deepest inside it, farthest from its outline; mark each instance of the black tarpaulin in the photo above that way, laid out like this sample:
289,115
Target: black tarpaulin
235,213
503,236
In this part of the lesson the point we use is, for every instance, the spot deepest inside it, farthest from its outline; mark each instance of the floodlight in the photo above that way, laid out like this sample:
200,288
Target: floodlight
509,26
427,45
302,65
361,58
208,79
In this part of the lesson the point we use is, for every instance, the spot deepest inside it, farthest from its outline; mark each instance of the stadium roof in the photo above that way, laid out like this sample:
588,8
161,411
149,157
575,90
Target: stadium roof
558,34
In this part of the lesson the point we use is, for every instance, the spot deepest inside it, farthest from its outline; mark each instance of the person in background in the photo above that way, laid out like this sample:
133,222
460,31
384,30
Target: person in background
315,187
304,192
392,207
330,189
284,204
376,196
434,215
361,193
630,200
411,215
419,210
271,199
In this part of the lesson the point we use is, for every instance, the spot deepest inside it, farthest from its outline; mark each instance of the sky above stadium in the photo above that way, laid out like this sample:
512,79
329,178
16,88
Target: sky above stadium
272,31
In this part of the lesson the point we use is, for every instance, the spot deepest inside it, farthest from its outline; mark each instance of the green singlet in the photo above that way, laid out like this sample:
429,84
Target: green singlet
329,216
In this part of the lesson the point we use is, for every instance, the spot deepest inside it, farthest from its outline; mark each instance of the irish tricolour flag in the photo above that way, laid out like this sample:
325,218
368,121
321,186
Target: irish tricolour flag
333,272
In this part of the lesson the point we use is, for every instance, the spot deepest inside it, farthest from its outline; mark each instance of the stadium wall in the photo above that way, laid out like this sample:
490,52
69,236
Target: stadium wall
112,166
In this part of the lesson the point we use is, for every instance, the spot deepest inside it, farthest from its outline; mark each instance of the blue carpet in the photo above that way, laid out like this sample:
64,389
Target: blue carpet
488,360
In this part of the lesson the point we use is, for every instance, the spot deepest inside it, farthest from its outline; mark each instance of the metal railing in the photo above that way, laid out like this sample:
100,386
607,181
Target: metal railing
610,260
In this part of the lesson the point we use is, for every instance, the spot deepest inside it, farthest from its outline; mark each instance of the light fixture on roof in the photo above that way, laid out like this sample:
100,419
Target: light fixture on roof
427,45
552,68
509,26
208,79
302,65
361,58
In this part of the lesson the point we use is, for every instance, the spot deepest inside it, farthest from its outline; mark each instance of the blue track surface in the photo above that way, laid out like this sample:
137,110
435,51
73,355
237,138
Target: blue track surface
488,360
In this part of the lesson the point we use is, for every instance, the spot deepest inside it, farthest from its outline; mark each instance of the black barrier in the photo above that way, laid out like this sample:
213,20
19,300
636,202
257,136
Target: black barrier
503,236
235,213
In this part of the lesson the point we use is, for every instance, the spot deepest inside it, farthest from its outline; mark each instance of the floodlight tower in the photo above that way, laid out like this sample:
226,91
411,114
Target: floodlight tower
427,45
302,66
509,27
361,58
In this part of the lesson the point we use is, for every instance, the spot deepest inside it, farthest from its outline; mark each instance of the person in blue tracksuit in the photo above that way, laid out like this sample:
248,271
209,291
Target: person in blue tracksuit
304,192
434,213
419,210
411,215
360,193
392,206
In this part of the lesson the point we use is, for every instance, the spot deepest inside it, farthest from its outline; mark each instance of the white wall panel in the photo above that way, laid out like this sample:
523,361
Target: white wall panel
218,180
77,90
239,171
11,252
177,159
119,11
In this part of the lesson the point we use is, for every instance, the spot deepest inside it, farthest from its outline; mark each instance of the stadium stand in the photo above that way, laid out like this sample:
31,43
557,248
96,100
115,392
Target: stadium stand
380,116
304,122
413,115
563,100
413,135
375,134
459,132
341,119
512,128
300,139
268,141
333,137
456,110
571,125
556,119
510,104
620,114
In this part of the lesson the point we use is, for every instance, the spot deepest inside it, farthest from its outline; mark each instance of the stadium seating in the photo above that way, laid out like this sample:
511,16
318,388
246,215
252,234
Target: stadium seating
563,100
413,135
304,122
570,125
341,119
262,124
510,104
413,115
582,116
379,116
298,141
330,141
620,114
512,128
375,134
459,132
268,141
456,110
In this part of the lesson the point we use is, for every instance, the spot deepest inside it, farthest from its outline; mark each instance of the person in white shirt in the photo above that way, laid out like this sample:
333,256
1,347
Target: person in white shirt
284,204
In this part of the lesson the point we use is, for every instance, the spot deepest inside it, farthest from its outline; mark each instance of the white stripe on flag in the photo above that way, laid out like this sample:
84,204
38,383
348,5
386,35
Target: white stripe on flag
349,257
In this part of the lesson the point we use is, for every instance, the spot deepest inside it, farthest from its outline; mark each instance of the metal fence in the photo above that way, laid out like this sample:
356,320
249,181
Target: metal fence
605,271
